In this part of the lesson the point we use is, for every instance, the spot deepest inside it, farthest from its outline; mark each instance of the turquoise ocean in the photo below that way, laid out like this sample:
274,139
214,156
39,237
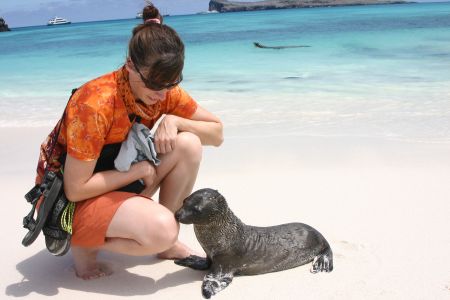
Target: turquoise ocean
370,71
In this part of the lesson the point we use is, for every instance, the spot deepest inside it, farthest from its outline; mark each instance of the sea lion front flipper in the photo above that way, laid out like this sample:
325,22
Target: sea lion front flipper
194,262
214,282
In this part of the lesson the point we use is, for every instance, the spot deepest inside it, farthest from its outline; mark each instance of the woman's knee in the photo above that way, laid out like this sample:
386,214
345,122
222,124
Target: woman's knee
161,229
190,146
168,227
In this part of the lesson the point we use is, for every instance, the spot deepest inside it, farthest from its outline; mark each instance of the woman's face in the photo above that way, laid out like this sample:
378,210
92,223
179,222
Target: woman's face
140,91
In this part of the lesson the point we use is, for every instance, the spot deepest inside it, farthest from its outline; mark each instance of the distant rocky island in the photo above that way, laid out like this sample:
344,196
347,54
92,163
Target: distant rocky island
3,25
233,6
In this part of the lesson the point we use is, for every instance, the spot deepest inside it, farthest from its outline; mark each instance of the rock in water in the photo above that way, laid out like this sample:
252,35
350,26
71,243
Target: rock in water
3,25
234,6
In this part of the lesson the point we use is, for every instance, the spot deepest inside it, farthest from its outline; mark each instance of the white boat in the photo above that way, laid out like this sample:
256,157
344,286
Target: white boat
207,12
139,15
57,21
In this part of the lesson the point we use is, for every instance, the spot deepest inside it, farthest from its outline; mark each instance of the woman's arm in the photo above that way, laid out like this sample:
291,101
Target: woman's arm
80,183
204,124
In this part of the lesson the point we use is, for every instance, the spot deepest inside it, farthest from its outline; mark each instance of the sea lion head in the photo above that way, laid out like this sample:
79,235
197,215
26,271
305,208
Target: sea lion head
201,207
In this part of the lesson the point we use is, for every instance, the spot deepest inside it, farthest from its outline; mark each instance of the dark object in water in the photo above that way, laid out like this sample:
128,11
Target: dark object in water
3,25
258,45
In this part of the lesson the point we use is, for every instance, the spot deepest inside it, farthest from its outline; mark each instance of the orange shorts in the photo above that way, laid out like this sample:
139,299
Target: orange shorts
93,216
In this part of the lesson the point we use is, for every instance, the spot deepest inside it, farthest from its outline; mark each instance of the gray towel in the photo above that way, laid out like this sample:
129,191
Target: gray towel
139,146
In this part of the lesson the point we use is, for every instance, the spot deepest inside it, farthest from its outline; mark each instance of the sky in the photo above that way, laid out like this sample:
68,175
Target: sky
19,13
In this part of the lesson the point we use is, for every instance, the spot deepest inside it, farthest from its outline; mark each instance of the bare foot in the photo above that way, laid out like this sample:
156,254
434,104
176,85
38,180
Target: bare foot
178,251
100,270
86,265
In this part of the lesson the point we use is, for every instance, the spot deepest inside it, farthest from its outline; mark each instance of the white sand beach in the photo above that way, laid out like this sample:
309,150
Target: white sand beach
383,206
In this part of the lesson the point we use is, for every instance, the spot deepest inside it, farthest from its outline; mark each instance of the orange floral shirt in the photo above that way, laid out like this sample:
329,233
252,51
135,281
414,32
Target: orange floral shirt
96,115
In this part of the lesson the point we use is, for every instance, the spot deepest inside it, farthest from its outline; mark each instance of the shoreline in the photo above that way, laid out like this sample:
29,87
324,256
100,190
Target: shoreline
318,151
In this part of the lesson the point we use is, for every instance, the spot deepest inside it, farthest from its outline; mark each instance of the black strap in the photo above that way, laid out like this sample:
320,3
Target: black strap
134,118
55,141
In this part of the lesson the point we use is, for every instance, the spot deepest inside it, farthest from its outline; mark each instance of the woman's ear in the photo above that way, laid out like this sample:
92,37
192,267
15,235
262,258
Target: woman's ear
129,65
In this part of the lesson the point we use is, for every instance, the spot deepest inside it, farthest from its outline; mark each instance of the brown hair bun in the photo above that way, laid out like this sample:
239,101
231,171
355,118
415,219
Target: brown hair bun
151,12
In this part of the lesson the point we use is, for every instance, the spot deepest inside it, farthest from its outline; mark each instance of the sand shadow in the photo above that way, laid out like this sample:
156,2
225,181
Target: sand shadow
45,274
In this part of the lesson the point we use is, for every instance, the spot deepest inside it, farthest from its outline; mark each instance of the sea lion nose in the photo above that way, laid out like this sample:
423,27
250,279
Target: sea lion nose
178,215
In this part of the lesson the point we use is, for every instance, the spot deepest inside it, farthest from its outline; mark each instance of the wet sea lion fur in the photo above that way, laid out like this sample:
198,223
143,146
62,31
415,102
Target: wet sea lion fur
234,248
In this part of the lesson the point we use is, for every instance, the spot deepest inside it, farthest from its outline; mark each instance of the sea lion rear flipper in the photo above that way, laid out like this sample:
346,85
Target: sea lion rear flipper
214,282
323,262
194,262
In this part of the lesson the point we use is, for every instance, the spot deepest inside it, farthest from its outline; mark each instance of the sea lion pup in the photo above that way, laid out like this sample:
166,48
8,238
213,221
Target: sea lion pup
234,248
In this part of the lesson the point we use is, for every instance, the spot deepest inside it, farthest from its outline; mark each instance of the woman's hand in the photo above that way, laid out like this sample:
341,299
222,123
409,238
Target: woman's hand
166,134
202,123
147,173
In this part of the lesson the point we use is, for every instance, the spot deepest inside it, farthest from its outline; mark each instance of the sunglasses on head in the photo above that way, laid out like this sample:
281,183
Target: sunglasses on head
155,86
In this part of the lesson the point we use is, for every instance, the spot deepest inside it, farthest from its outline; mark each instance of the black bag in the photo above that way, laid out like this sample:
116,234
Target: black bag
54,217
